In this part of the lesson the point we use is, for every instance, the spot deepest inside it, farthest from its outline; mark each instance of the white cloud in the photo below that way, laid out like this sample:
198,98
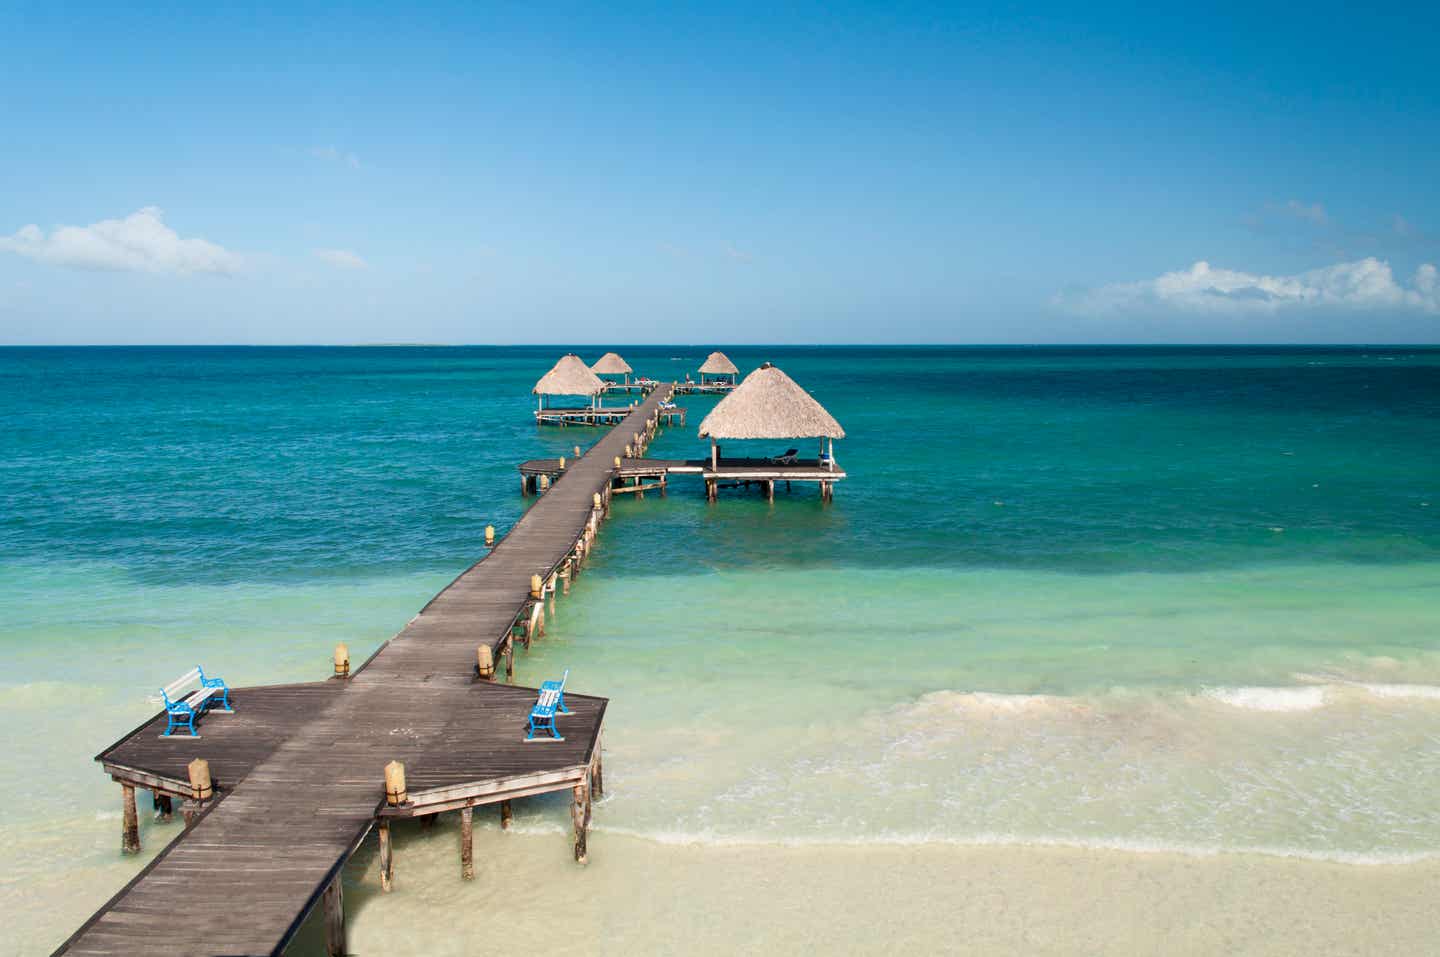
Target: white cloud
141,242
334,155
342,258
1312,212
1365,284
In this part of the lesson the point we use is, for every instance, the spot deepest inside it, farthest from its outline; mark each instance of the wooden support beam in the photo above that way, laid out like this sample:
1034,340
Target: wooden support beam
334,919
387,862
579,815
130,826
467,843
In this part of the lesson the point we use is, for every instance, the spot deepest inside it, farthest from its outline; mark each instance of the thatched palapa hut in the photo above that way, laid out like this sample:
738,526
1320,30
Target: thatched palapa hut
719,369
611,364
570,376
769,405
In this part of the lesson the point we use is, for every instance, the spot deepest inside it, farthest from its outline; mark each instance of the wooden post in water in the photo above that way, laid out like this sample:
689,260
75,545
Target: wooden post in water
489,536
387,862
770,490
130,821
467,843
507,814
579,816
164,809
334,919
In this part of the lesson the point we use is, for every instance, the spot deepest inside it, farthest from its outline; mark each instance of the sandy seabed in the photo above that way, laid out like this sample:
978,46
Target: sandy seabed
640,897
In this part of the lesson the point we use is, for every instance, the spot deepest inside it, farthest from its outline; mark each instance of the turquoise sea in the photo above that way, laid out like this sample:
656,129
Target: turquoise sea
1144,599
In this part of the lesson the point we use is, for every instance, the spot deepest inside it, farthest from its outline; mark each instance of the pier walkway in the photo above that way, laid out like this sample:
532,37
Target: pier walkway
299,769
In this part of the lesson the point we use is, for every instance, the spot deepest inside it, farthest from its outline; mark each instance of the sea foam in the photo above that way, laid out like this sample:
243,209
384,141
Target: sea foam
1305,698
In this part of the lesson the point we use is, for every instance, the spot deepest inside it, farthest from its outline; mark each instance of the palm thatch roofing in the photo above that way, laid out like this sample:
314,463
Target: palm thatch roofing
611,364
571,376
769,405
719,364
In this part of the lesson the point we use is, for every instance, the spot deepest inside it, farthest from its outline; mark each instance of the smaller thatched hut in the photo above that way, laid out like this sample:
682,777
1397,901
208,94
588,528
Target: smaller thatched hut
570,376
610,364
770,405
719,369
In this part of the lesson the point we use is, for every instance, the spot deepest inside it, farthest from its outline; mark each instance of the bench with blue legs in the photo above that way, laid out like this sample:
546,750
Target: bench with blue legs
550,703
190,696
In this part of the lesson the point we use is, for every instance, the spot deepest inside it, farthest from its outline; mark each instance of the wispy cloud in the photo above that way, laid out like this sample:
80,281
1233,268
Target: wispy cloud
737,254
341,258
1308,212
334,154
1366,284
141,242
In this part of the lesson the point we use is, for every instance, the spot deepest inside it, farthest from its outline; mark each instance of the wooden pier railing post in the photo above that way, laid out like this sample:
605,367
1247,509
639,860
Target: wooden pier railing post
489,536
201,790
342,660
334,919
485,663
467,843
130,826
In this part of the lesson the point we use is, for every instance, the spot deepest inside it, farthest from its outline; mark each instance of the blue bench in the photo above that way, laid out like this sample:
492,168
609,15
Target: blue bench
550,703
190,696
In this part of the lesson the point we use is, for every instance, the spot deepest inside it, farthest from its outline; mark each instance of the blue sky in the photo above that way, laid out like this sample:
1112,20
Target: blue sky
799,173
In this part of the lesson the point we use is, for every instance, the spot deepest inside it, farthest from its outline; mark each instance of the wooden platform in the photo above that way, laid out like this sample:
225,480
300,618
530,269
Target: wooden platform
600,416
727,469
694,388
299,769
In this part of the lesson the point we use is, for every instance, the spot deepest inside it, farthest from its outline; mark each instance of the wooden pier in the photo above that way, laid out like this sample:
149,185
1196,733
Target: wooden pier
704,388
291,783
602,415
632,474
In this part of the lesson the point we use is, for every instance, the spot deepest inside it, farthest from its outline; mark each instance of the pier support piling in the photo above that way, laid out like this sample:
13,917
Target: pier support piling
467,843
507,815
580,816
130,827
387,862
334,919
164,808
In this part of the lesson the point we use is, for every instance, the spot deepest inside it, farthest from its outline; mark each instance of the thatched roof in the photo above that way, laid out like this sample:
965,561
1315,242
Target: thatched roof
611,364
769,405
719,364
571,376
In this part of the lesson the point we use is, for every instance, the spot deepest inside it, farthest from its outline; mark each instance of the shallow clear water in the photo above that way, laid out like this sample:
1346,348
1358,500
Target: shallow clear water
1145,598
